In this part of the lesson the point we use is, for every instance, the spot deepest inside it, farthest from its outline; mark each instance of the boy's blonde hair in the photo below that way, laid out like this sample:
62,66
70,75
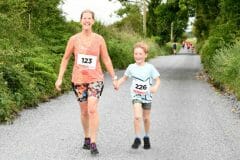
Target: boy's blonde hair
88,11
142,45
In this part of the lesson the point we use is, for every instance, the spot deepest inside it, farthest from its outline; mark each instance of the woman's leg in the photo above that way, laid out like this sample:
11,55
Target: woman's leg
84,118
93,118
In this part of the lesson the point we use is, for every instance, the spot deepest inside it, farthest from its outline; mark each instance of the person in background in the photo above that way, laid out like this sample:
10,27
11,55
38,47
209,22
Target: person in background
174,47
88,48
143,74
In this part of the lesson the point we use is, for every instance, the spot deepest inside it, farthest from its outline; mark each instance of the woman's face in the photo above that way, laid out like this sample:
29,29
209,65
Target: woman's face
87,21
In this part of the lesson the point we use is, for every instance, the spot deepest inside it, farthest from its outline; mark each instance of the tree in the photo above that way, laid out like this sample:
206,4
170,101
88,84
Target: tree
162,15
152,17
206,14
142,9
131,18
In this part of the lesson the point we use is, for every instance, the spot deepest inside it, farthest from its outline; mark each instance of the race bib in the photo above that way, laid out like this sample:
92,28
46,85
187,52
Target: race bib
140,87
89,61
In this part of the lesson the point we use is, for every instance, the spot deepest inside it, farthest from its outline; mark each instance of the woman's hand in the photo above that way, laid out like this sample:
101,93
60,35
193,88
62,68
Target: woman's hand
58,84
115,84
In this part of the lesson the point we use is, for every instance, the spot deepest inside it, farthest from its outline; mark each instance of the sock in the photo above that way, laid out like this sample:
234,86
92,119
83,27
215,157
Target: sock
146,135
137,136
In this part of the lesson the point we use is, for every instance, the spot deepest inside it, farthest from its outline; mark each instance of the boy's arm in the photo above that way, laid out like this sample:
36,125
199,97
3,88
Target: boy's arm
155,87
121,81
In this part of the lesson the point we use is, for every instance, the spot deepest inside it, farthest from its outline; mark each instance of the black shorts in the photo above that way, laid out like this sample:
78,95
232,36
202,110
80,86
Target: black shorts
146,106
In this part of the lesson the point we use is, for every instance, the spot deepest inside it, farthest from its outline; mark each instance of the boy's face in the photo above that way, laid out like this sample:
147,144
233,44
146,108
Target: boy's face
139,56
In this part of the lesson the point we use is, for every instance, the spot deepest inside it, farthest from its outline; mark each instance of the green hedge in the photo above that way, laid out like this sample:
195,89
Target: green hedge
222,36
226,70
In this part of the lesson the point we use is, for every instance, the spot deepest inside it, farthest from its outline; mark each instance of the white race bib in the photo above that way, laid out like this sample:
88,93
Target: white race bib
140,87
88,61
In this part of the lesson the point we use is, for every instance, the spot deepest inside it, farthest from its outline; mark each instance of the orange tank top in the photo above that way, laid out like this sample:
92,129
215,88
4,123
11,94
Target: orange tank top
87,67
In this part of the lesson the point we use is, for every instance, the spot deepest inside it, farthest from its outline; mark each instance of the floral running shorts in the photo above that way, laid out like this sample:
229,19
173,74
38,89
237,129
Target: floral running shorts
85,90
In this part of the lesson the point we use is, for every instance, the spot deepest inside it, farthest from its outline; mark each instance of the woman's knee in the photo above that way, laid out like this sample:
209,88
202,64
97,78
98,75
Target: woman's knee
92,111
84,109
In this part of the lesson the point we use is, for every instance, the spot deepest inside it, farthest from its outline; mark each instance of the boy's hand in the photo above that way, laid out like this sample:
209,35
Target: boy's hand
153,89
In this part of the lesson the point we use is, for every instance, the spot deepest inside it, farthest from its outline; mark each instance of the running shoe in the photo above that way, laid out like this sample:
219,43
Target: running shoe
146,141
136,143
93,149
86,144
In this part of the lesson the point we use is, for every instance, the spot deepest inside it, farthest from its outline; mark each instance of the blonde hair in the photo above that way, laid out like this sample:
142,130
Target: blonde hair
87,11
142,45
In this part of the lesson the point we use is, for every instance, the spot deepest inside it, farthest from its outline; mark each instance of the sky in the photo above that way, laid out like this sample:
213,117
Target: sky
103,9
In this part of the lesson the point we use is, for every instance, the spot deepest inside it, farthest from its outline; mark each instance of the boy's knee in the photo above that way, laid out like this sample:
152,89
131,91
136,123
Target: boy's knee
137,118
146,119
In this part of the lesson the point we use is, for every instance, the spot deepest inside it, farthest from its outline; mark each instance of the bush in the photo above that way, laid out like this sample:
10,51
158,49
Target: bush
20,85
226,70
120,53
7,106
120,47
222,36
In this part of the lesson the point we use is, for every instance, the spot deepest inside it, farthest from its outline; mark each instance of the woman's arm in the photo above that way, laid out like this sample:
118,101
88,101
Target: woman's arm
64,63
106,59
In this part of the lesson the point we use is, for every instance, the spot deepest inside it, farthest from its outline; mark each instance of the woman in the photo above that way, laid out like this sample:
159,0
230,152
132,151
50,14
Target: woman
87,76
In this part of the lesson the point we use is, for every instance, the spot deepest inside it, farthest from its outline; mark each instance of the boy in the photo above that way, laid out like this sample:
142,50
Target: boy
142,89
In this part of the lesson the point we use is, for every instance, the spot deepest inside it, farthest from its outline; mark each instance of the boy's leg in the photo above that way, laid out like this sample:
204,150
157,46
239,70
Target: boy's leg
137,109
146,120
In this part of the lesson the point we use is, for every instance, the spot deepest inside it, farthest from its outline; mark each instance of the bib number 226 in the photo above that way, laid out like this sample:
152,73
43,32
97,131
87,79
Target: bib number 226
141,87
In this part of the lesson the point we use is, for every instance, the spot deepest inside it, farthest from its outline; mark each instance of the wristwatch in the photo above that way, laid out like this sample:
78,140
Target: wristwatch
115,78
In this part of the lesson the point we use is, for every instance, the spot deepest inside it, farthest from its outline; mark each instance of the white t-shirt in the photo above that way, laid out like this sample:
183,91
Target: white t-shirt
142,79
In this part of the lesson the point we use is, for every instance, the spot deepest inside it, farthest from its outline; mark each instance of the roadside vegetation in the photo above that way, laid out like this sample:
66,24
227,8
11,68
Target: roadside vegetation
217,31
34,34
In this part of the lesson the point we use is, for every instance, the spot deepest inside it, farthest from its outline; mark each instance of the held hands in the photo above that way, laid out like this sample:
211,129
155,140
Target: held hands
115,85
58,84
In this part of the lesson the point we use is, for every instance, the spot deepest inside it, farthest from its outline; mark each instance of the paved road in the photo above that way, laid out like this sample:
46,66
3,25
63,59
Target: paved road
190,121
